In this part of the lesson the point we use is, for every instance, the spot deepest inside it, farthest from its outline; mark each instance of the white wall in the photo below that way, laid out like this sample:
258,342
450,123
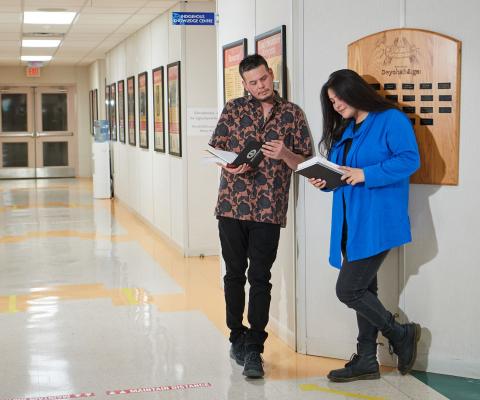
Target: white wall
246,19
71,76
439,272
174,194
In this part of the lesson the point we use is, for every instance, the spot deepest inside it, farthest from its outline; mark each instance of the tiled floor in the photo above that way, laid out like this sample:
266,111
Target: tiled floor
93,304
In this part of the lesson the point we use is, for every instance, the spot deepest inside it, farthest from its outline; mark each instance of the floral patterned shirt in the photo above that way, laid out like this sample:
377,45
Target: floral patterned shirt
262,194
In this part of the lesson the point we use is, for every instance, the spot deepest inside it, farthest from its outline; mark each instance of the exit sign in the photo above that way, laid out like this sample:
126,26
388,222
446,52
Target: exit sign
32,72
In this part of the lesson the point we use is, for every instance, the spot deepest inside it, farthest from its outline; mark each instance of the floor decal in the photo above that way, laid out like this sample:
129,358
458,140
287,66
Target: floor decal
311,387
58,397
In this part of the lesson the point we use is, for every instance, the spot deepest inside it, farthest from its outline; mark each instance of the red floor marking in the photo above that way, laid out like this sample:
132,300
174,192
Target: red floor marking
159,388
59,397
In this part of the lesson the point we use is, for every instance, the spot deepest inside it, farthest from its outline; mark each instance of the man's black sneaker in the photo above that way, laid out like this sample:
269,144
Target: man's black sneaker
237,350
253,365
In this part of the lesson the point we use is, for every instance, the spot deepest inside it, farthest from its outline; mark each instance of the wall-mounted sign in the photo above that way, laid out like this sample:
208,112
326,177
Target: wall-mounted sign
32,72
193,18
420,71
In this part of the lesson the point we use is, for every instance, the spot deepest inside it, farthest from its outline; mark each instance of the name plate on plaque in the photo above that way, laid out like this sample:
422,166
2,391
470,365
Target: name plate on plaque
420,71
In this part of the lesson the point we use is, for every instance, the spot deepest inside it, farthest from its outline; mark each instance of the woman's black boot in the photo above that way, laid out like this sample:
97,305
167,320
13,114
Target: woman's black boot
361,366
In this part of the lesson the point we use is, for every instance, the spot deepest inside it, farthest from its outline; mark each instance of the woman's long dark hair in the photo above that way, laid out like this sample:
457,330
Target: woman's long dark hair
356,92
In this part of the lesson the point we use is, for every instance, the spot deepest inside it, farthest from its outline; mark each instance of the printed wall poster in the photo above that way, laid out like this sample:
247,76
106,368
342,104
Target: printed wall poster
158,110
174,109
143,109
131,111
233,54
272,46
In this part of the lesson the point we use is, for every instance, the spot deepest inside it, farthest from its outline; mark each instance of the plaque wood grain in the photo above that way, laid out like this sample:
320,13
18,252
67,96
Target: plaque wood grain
410,58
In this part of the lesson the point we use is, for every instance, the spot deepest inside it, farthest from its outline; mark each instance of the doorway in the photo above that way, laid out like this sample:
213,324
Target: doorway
37,135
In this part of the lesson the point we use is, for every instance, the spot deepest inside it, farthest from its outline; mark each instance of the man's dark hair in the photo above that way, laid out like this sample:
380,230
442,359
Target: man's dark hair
251,62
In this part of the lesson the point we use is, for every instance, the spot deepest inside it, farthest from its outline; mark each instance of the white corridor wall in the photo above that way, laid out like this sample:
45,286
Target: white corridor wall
176,195
436,277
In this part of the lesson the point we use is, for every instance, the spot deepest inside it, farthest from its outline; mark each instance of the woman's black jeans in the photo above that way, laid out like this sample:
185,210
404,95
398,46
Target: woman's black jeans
357,288
248,245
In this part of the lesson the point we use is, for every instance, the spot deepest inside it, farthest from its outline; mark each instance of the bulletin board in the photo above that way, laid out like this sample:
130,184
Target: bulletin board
420,71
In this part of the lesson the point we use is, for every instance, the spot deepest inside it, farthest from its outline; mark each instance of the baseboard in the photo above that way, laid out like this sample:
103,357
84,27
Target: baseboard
282,332
154,228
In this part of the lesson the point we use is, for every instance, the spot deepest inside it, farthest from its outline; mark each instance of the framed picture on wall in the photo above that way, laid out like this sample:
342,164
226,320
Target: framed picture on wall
121,110
143,110
95,105
90,108
158,110
107,106
273,47
174,109
131,111
113,111
233,54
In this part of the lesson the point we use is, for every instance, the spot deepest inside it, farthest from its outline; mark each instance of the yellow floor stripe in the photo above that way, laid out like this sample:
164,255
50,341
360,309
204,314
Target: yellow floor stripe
128,292
12,304
310,388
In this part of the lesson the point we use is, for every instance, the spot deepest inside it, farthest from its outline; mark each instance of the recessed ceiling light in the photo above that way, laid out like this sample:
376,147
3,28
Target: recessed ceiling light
40,43
49,18
36,58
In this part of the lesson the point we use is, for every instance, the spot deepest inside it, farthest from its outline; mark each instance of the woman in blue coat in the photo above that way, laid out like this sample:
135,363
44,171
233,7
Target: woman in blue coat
375,144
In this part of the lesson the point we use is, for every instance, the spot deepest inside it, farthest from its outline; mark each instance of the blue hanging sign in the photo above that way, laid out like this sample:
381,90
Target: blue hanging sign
193,18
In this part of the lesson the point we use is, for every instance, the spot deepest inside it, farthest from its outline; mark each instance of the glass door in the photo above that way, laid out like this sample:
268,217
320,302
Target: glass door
37,138
54,138
17,133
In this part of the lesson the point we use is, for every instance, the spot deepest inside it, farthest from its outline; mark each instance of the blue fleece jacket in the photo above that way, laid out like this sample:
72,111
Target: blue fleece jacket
385,148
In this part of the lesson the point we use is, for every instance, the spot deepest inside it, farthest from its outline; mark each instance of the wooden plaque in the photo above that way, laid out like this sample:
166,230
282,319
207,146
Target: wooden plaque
420,71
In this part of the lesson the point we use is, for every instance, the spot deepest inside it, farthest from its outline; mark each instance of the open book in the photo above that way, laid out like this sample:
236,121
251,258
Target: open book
251,155
320,168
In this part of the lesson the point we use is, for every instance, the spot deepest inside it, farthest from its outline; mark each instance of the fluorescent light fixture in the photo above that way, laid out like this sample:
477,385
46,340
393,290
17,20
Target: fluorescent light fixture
48,17
36,58
40,43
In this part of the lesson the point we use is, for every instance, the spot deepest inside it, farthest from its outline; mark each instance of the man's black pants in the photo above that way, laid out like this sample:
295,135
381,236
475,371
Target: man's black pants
248,245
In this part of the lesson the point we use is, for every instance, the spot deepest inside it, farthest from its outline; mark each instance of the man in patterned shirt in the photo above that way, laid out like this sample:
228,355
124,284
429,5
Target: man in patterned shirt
252,203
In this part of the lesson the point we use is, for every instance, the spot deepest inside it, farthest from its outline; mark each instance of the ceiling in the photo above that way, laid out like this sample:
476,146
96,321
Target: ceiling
98,27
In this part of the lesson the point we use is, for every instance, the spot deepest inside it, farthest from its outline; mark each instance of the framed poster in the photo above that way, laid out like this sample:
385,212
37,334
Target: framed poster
419,71
90,108
107,106
95,105
158,110
174,109
143,110
113,111
272,45
233,54
131,111
121,110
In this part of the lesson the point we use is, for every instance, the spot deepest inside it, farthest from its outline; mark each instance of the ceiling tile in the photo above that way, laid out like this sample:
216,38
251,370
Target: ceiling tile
10,28
101,28
70,5
93,19
10,18
10,44
10,6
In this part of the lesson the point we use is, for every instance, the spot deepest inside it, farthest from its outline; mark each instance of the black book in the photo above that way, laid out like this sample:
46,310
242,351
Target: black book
320,168
251,155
